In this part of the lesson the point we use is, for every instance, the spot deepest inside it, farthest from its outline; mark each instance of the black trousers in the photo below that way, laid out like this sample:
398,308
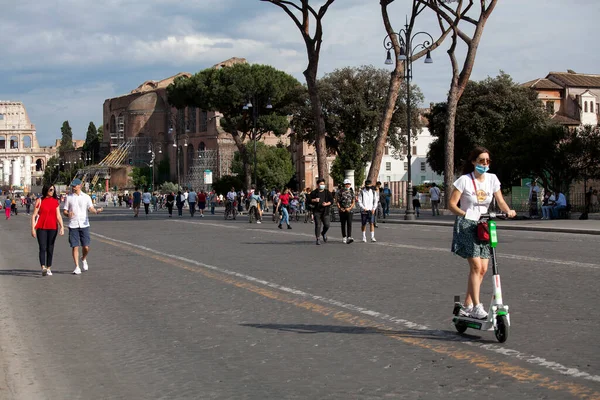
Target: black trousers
322,219
346,220
46,239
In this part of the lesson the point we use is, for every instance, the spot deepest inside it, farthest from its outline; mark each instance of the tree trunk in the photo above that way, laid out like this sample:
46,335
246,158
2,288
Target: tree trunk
315,101
449,145
247,172
239,142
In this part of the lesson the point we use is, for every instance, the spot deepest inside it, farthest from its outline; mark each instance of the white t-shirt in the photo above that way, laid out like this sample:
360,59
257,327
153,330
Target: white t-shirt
146,196
79,204
473,202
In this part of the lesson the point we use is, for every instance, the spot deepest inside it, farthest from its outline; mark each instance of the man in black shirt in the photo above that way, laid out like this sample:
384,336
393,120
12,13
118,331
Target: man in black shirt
321,200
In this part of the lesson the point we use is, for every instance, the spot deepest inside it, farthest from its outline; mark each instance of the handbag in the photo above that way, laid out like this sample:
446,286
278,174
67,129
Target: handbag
483,229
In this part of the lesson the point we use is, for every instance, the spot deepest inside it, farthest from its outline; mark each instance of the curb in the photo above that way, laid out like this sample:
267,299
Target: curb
506,227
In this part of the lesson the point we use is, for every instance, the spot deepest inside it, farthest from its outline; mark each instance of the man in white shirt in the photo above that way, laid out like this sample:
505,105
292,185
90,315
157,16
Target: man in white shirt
559,204
434,193
192,196
76,208
367,203
146,197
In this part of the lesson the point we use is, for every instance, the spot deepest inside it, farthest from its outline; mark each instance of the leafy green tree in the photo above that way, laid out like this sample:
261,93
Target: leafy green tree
168,187
351,156
227,89
66,141
354,100
500,115
141,176
51,172
225,183
274,166
92,142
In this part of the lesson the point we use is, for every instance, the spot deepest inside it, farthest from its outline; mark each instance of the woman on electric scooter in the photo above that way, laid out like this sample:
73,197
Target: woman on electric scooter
475,190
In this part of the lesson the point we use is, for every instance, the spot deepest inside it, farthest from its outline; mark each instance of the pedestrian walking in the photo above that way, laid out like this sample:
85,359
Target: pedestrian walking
180,202
192,197
387,199
202,202
434,194
137,200
46,223
367,203
321,199
170,202
475,190
7,207
416,202
28,201
146,199
13,205
213,199
345,200
77,206
283,205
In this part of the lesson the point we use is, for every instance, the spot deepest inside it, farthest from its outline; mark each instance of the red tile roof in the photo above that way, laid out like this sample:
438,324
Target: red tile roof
542,83
564,120
574,79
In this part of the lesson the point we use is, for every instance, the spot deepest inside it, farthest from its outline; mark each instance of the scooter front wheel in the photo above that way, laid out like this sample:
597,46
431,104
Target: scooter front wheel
461,327
502,328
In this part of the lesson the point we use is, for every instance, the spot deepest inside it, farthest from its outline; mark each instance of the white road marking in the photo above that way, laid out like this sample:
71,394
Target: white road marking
541,261
564,370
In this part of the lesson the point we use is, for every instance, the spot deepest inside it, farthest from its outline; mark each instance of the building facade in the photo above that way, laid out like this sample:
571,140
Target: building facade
22,160
571,99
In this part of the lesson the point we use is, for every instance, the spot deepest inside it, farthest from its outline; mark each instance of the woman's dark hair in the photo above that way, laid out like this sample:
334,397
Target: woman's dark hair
468,166
45,190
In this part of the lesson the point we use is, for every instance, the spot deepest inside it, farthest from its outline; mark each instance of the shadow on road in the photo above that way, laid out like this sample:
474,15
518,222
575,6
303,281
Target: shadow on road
30,273
430,334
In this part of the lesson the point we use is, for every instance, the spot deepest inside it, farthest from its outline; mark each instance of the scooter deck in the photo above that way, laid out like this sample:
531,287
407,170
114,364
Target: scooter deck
474,323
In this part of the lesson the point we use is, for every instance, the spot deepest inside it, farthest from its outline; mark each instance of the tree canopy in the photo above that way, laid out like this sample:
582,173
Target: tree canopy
274,166
66,141
92,142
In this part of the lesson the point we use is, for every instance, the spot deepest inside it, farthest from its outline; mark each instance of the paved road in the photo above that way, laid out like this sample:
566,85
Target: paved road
213,309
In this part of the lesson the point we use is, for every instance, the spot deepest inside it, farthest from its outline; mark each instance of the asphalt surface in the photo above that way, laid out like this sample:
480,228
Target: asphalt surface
205,308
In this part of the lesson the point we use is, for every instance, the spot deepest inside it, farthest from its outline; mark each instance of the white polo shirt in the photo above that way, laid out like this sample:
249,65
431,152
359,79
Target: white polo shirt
79,204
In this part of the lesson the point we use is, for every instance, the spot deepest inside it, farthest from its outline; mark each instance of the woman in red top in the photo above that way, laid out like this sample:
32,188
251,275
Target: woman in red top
284,203
45,221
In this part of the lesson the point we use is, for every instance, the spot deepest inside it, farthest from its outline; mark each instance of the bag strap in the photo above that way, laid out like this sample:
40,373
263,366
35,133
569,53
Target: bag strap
475,186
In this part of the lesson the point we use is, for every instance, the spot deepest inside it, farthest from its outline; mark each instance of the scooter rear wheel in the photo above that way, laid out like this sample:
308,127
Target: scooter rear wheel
502,329
460,327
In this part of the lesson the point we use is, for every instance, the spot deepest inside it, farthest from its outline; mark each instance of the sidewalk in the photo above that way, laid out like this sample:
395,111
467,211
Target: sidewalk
573,225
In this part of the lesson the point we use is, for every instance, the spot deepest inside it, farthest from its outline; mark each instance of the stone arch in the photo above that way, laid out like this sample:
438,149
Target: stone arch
202,146
2,142
26,142
39,164
14,142
585,106
113,124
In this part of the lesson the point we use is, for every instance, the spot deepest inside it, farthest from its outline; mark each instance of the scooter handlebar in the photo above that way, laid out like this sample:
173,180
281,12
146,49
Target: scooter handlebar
493,215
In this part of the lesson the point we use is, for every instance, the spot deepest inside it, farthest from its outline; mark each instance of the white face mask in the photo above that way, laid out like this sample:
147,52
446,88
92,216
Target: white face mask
322,187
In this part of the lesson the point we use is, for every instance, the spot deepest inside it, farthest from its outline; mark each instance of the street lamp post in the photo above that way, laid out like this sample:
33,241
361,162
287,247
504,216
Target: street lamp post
151,148
407,50
253,104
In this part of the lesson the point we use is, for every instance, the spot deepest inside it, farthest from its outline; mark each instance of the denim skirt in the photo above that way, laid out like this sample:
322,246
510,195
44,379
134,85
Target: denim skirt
465,242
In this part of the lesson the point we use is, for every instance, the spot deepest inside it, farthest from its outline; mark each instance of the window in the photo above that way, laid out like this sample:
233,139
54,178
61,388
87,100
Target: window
404,150
550,107
2,143
387,151
203,121
1,116
191,122
406,166
585,106
423,166
388,166
591,106
27,142
14,142
202,146
414,150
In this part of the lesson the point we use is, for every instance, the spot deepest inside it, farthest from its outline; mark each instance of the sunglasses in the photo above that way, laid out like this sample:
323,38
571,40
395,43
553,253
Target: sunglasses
51,190
484,160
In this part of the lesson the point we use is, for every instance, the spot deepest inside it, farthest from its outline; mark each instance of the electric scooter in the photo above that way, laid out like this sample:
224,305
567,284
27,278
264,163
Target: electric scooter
498,317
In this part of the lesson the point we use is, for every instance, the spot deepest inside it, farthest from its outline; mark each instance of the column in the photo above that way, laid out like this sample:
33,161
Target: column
27,170
16,172
6,172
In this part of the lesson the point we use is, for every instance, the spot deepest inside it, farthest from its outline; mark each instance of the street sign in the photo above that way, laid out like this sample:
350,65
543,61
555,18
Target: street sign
208,177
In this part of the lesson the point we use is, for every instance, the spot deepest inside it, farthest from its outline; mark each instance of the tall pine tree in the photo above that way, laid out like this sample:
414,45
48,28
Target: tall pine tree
66,141
92,142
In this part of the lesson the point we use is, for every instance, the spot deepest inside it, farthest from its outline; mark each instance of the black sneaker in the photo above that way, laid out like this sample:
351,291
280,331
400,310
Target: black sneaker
325,238
289,227
350,240
279,226
318,242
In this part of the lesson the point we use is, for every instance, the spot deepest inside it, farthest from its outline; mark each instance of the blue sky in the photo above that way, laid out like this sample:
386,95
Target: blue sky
63,58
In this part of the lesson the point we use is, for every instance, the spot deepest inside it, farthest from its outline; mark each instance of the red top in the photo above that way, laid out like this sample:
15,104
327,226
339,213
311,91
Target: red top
285,199
47,214
201,198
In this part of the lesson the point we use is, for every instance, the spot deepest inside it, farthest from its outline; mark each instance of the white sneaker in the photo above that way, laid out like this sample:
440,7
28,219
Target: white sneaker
49,273
465,311
44,271
373,239
364,239
84,265
77,271
478,312
350,240
258,222
344,240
